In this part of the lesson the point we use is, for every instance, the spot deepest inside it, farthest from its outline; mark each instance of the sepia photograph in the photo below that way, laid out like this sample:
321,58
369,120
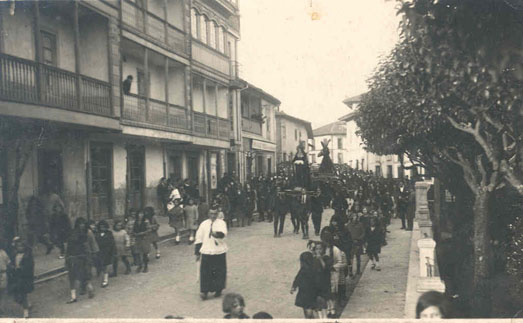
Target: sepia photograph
331,160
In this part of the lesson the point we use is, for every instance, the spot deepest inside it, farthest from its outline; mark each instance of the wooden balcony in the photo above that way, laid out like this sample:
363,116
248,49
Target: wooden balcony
169,117
252,126
211,58
153,27
159,113
211,126
30,82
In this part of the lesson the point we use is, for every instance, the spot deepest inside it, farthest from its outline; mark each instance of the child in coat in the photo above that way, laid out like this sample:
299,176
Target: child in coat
153,234
191,218
123,248
374,239
107,245
141,231
129,229
20,274
176,219
305,282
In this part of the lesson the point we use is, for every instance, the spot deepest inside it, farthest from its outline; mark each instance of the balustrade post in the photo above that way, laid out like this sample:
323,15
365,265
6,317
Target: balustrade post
146,77
38,50
167,89
78,78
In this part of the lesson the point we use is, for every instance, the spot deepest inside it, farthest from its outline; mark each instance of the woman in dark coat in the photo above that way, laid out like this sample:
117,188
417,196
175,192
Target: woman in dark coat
60,227
374,240
305,282
78,259
20,274
107,245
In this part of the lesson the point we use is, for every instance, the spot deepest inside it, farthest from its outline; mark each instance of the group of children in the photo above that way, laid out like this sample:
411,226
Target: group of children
96,245
325,268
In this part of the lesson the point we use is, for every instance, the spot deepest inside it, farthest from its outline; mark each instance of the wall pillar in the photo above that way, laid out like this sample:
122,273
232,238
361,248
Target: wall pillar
422,209
115,71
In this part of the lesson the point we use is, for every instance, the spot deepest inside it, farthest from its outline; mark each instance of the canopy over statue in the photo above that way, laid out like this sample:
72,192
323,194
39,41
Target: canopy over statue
326,166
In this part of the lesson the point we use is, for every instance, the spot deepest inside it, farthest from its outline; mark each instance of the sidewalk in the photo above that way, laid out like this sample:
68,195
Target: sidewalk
47,266
381,294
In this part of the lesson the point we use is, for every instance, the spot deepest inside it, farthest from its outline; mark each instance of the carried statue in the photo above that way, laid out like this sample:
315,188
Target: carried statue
301,167
326,166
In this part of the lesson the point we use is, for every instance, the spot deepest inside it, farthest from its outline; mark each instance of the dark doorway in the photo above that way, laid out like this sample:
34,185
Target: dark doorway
50,175
269,166
378,171
193,163
175,167
259,165
389,171
101,180
231,158
136,176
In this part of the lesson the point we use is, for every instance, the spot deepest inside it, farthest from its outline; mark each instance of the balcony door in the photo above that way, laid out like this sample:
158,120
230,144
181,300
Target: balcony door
101,180
135,176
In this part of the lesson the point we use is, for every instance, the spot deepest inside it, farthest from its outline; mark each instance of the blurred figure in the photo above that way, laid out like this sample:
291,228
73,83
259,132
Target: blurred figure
20,274
433,305
233,305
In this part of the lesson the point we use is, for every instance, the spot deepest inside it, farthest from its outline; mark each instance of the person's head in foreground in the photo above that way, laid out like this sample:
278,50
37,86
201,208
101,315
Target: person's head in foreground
233,304
433,305
261,316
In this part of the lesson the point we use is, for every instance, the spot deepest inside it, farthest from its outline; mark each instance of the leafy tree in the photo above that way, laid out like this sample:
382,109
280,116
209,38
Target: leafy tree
449,97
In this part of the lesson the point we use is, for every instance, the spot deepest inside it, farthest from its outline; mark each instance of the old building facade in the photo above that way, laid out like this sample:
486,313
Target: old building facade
257,154
117,95
335,134
290,132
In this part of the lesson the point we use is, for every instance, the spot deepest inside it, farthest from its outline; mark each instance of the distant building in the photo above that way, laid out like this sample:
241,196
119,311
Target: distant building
357,156
290,131
258,131
336,134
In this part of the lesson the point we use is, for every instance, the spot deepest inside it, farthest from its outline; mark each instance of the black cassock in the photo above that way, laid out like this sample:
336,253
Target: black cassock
301,169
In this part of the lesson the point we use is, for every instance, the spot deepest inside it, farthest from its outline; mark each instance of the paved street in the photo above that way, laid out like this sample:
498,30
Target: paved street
382,294
260,267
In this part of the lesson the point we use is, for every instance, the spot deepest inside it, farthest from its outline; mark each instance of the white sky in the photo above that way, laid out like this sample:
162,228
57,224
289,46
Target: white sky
312,65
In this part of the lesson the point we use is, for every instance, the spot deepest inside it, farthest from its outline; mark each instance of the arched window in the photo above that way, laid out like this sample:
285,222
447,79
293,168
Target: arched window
212,34
194,23
220,40
203,28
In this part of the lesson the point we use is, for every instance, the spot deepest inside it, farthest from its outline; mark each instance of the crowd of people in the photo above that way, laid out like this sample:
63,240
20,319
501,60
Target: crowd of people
363,205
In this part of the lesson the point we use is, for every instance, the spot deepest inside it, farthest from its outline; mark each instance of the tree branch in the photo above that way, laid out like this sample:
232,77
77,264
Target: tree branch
455,124
467,169
483,172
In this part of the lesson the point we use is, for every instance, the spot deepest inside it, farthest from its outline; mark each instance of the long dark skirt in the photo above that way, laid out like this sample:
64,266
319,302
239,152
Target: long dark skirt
213,273
79,268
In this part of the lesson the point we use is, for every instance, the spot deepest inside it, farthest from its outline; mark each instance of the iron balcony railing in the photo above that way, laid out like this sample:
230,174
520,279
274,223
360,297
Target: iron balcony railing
27,81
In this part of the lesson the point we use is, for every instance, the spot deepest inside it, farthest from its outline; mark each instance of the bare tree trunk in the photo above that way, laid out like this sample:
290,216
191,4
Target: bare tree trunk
482,300
22,152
